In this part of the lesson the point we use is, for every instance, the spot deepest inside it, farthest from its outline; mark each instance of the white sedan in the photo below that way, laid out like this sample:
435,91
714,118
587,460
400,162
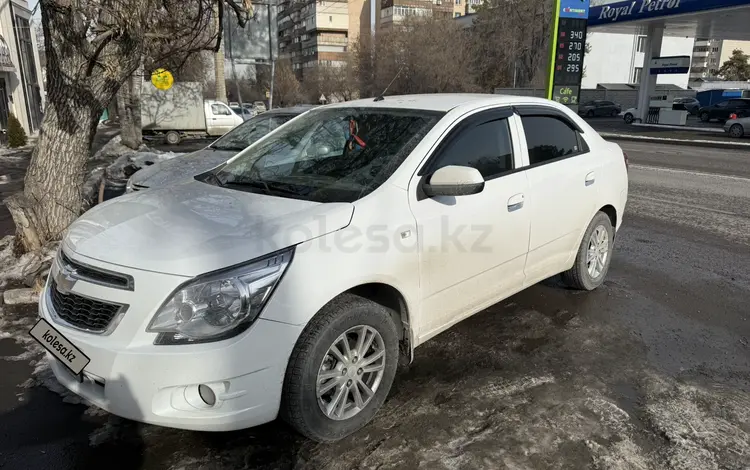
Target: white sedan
291,280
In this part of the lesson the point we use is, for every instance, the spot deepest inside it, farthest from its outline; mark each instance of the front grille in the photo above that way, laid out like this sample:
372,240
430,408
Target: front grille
138,187
96,275
82,312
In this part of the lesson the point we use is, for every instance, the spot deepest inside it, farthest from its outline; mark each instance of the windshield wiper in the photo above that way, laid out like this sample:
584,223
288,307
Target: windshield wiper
250,183
227,147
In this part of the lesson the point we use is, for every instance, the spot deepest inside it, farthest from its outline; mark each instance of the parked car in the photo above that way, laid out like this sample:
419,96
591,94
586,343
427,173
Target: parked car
186,166
691,105
629,115
244,112
599,108
721,111
737,126
260,106
291,280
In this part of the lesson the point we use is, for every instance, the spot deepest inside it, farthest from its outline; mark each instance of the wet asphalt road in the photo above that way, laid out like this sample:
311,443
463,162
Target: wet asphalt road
650,371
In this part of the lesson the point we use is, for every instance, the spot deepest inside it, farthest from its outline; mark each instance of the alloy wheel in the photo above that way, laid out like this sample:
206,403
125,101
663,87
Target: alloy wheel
598,252
351,372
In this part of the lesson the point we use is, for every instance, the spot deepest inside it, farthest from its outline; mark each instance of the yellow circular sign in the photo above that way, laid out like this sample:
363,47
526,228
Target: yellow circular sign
162,79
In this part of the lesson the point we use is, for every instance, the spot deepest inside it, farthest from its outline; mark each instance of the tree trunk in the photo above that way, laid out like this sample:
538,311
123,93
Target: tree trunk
221,83
76,98
52,188
129,103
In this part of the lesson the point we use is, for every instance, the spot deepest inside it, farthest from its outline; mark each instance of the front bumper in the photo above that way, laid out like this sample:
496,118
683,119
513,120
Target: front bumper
130,377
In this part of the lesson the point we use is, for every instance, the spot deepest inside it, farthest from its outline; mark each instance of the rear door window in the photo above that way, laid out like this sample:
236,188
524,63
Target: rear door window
549,138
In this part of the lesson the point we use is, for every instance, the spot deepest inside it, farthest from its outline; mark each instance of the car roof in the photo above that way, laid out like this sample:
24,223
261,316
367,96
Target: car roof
439,101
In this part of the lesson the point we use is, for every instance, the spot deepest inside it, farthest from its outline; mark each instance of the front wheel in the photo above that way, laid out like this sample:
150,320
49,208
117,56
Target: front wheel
590,114
341,369
628,118
594,255
736,131
705,117
615,112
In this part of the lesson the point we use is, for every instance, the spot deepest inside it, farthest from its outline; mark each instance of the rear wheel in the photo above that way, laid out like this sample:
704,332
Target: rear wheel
590,113
705,117
628,118
341,369
594,255
736,131
615,112
173,137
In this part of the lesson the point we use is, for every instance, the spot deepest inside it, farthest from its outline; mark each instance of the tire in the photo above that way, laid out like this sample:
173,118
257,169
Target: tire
300,404
628,118
736,131
580,276
173,138
590,114
615,113
705,117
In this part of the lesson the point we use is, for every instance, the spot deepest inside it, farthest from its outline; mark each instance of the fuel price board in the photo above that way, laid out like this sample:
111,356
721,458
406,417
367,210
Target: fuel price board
567,51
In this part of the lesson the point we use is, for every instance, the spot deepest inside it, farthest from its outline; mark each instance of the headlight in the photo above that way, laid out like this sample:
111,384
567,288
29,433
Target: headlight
219,305
129,185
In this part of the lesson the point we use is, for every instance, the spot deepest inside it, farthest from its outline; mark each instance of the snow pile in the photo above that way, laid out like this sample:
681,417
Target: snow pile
26,269
124,167
116,162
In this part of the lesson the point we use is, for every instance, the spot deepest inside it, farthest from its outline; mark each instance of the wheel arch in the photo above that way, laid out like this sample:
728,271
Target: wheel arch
611,213
391,298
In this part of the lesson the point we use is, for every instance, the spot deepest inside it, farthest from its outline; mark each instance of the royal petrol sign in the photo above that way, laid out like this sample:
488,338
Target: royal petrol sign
632,10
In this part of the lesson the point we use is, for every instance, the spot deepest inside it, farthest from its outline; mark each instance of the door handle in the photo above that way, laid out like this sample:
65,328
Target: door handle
515,202
590,178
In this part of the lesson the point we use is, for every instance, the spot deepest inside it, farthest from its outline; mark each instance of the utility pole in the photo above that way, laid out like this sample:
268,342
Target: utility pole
234,69
270,58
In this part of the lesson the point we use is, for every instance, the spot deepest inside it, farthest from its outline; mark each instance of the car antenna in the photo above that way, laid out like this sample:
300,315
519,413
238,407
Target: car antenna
381,96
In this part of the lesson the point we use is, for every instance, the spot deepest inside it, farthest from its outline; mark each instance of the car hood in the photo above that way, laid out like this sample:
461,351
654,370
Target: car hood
179,168
192,228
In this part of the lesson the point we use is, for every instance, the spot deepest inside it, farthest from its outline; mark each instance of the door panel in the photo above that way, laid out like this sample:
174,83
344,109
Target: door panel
472,248
562,194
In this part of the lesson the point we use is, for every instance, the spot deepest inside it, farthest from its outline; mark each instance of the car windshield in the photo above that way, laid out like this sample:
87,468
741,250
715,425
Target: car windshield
249,132
329,155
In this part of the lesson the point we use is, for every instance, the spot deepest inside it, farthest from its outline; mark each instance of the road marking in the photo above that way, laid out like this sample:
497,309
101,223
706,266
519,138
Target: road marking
689,172
682,204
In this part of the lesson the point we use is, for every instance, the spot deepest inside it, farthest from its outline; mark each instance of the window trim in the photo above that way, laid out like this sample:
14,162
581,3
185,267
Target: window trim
473,120
549,112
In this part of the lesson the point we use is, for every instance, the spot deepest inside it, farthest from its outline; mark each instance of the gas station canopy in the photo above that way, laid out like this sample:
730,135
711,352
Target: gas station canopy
715,19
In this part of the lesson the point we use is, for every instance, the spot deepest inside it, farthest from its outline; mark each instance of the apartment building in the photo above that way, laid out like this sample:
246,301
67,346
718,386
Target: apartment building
706,60
395,11
21,77
709,55
313,32
465,7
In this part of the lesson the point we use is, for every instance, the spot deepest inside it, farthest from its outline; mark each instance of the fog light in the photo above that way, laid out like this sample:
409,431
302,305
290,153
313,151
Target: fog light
207,395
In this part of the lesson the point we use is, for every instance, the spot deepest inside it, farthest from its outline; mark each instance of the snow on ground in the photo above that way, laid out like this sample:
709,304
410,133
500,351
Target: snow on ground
116,162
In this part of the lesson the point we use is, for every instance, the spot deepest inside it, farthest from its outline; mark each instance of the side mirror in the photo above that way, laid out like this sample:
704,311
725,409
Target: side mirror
453,180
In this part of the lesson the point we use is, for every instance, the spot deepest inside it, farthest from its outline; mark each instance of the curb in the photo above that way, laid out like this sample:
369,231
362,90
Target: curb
715,130
668,140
